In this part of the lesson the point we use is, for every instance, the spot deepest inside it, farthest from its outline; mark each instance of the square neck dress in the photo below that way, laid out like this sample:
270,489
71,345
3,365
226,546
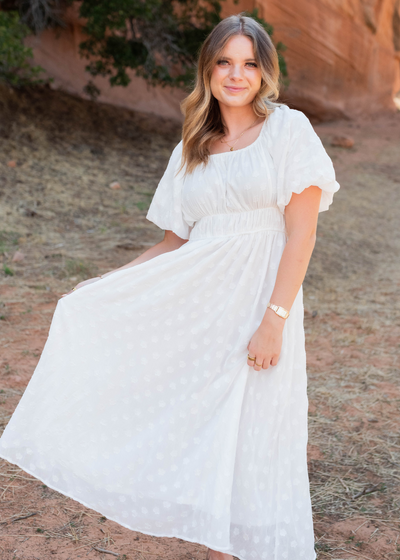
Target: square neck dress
142,406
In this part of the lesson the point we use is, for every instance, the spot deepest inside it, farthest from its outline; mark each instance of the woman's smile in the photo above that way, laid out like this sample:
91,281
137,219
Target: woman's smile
234,89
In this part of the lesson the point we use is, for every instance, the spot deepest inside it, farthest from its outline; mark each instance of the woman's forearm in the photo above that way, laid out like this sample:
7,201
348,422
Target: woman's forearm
301,217
170,242
291,272
164,246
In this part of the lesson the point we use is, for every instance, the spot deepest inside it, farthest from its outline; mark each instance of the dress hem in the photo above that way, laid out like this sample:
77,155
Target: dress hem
68,495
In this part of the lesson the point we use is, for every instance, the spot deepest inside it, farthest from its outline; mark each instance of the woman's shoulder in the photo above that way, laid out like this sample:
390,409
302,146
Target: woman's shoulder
285,116
176,156
284,127
177,151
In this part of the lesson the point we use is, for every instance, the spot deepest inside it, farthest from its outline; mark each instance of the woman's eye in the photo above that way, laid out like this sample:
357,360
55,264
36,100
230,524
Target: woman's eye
252,64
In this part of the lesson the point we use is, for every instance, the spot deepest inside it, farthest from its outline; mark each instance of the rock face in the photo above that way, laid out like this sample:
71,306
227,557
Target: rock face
57,51
343,58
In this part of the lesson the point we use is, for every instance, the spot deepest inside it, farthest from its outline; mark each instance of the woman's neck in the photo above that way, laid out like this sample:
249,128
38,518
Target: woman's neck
237,119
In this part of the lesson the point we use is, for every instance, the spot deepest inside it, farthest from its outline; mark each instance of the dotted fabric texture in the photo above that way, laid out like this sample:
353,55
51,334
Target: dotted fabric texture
142,406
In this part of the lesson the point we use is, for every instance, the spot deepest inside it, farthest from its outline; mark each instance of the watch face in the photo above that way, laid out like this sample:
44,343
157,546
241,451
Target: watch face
280,311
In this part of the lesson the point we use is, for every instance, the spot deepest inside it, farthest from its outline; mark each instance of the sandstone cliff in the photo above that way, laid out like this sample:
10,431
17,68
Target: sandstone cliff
343,58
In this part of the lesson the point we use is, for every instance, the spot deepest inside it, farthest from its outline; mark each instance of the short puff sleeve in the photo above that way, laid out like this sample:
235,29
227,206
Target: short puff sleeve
304,161
166,206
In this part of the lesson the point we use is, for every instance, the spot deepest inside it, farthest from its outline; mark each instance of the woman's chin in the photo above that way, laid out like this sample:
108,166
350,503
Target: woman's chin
234,100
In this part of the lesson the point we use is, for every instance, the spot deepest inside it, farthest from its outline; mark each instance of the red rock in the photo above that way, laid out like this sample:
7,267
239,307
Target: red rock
342,141
12,163
18,256
343,58
115,185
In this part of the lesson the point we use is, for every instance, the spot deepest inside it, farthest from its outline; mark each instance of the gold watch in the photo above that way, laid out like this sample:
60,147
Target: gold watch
281,311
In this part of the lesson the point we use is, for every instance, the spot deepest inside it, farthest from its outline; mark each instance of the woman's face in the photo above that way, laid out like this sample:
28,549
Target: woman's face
236,77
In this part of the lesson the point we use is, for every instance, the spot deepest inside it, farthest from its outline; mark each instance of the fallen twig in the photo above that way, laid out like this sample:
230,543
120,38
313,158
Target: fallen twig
343,484
134,549
354,553
106,551
24,516
368,490
366,521
34,535
18,476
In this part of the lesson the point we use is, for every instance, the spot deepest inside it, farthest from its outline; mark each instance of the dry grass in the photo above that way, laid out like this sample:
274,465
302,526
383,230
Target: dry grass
353,343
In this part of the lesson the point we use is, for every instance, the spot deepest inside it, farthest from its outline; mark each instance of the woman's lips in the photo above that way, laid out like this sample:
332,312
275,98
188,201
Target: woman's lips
234,89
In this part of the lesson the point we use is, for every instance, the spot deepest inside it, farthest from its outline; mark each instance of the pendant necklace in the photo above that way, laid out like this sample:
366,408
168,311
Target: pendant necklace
231,147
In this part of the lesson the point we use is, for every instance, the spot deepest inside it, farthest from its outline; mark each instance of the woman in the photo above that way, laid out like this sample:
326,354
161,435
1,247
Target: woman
171,394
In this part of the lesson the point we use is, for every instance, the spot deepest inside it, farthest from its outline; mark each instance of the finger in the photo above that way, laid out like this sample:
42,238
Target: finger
274,360
250,360
257,366
266,364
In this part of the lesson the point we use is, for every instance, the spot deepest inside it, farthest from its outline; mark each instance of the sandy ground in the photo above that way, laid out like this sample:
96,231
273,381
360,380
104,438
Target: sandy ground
59,215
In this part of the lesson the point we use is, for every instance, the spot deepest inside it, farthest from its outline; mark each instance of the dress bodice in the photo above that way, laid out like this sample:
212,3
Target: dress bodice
235,181
287,157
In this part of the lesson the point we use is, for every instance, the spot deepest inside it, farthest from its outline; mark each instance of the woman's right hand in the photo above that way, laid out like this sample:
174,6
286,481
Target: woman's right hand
81,284
170,242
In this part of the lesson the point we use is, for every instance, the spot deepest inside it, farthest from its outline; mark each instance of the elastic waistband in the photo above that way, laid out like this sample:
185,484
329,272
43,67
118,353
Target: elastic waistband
237,223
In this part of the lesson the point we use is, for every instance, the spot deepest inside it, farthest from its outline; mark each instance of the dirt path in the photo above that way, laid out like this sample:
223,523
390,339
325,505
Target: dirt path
58,210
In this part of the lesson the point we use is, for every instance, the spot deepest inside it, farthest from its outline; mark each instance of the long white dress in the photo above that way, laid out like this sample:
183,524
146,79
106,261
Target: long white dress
143,407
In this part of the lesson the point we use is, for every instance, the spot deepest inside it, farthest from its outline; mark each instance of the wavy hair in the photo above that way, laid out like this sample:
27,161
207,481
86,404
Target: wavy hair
203,123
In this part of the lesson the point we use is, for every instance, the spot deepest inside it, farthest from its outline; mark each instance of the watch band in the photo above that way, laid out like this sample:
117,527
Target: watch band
281,311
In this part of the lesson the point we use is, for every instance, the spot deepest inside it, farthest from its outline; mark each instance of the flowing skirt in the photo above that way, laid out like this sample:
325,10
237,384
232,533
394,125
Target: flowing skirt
143,407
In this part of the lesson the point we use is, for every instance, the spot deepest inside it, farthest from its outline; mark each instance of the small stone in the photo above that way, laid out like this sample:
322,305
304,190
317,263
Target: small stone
115,185
12,163
30,213
342,141
18,256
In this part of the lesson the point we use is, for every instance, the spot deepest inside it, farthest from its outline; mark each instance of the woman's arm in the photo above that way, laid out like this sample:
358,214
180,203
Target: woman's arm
301,224
170,242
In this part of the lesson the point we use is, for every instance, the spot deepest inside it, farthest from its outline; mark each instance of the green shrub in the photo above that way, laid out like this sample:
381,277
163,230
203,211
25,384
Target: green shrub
158,41
15,70
7,270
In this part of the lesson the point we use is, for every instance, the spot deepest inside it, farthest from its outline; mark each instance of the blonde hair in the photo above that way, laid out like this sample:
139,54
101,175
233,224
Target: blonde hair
203,123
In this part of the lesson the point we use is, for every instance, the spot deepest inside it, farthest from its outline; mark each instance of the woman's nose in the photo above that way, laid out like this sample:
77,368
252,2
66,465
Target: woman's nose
236,71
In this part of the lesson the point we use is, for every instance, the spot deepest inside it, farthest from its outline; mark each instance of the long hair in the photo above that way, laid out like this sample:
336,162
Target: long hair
203,123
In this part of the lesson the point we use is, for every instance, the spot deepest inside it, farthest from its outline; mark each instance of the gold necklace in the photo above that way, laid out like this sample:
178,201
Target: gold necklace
231,147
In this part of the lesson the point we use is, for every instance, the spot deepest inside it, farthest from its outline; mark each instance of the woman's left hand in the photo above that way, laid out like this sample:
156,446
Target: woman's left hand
266,343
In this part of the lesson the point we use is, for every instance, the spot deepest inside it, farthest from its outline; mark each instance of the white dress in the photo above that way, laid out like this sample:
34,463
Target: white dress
143,407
